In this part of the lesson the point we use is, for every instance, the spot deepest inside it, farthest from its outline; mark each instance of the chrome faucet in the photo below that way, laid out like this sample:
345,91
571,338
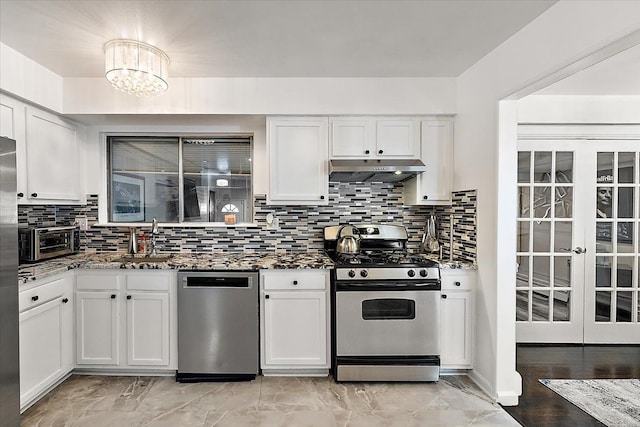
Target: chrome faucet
154,234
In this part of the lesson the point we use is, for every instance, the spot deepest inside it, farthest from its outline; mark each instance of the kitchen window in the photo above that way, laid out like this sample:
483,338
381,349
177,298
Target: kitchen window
180,180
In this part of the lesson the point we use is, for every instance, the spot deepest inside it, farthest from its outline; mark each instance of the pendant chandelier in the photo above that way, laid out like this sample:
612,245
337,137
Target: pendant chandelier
136,68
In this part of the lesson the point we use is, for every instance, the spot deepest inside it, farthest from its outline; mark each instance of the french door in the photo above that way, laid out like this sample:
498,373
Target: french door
577,229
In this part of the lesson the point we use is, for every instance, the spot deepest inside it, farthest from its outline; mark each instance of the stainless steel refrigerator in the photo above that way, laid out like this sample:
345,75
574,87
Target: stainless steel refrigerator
9,338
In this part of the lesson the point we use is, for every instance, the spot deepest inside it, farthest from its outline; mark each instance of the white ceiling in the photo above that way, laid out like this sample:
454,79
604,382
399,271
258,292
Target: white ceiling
269,38
618,75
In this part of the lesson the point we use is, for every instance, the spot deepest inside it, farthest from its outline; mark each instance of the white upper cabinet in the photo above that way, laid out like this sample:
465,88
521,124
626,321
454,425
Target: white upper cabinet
434,186
374,137
298,160
52,158
48,154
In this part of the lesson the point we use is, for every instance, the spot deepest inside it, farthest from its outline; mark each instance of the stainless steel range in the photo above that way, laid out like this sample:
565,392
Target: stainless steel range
385,307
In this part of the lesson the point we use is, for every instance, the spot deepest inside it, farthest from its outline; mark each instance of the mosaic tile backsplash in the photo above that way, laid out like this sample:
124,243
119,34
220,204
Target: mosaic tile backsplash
300,227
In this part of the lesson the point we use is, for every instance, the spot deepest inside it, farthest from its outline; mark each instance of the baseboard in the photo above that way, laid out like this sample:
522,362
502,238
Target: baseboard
295,372
126,372
482,383
34,399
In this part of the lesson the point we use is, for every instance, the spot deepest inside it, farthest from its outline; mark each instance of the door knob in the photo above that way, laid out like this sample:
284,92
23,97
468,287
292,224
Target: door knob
579,250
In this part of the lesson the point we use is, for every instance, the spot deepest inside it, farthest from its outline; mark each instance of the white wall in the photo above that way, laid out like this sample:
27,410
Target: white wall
269,96
579,109
26,79
485,159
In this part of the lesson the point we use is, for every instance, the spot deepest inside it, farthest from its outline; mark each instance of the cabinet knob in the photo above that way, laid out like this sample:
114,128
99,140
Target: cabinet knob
65,300
380,151
366,151
444,296
425,197
295,282
20,194
321,197
266,297
35,298
34,194
128,296
457,283
113,296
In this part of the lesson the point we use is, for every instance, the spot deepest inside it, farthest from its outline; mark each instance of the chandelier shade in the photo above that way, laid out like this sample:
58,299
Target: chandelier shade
136,68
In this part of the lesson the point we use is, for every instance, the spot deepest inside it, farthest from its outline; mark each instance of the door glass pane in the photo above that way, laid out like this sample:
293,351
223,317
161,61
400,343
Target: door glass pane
522,305
542,166
561,306
603,202
564,166
625,202
605,168
541,271
603,237
541,236
626,166
523,236
562,236
542,202
603,306
603,271
564,202
523,202
524,166
522,276
625,237
623,306
562,271
625,272
540,308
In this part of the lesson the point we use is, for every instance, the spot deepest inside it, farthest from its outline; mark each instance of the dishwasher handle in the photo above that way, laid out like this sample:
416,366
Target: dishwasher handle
216,282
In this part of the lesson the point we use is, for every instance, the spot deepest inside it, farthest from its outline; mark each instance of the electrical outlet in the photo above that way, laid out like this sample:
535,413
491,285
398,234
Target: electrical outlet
82,222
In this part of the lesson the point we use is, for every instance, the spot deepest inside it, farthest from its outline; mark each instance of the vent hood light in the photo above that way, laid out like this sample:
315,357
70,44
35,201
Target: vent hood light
364,170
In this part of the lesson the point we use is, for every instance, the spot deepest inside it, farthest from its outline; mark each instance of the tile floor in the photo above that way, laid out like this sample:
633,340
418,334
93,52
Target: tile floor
97,401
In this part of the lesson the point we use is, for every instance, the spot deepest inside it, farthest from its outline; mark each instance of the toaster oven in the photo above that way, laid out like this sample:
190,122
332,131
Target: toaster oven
38,244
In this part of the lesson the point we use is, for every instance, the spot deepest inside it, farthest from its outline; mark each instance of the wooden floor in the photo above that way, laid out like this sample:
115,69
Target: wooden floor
539,406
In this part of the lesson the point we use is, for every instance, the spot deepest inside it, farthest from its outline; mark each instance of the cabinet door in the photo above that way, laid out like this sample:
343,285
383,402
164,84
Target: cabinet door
397,138
40,348
455,332
12,125
434,186
52,158
147,328
97,328
295,329
351,138
298,152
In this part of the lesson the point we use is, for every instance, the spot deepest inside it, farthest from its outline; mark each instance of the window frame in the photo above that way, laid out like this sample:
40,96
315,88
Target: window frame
105,204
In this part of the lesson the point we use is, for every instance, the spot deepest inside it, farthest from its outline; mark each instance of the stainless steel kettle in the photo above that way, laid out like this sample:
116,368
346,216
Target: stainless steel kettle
349,244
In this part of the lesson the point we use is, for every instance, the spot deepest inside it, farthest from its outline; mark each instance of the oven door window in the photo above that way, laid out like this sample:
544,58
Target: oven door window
388,309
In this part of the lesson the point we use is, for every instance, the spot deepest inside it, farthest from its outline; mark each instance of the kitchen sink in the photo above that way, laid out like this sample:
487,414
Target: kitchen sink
144,259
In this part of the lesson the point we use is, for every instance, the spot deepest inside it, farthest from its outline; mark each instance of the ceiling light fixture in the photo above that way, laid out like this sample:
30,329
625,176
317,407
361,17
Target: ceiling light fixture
136,68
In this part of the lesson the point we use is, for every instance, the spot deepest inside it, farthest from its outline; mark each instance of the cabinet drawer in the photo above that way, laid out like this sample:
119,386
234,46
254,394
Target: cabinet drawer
97,281
294,279
459,281
37,296
148,282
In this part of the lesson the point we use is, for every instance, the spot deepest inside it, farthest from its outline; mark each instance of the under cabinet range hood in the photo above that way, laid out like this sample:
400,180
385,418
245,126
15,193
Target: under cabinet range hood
374,170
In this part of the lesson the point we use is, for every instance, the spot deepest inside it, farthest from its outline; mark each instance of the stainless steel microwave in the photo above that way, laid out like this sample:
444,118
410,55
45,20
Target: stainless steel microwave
38,244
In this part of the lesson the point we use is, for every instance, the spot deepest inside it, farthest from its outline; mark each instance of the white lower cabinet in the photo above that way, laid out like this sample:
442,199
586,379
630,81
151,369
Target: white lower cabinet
126,320
46,336
456,332
294,322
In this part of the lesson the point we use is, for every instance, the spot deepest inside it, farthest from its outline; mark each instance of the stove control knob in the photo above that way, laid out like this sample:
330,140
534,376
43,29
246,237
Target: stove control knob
423,273
352,273
411,273
364,273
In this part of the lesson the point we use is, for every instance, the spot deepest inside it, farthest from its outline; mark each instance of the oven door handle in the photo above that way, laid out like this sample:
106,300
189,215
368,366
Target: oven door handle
378,286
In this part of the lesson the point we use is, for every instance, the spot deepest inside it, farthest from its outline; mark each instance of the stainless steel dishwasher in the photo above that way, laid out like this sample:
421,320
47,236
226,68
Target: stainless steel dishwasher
218,326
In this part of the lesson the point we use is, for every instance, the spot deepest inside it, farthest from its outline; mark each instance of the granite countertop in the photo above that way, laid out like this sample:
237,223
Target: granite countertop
450,265
178,261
